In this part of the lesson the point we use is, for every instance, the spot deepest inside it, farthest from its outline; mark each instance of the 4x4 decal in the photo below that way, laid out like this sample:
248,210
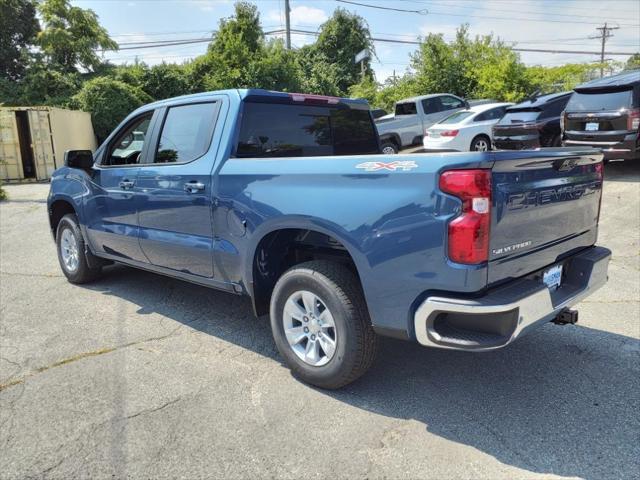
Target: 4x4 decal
392,166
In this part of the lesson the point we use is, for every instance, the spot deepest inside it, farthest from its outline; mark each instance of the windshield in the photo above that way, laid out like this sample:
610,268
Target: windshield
522,116
456,117
597,101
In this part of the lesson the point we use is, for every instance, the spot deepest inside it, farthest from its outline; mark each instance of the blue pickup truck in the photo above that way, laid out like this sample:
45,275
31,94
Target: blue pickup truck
286,198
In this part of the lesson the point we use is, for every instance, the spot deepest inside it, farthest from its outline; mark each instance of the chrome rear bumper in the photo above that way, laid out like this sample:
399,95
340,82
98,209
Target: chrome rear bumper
505,313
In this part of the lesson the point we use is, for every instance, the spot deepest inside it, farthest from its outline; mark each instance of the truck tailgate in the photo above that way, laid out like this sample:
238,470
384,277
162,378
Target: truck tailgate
546,207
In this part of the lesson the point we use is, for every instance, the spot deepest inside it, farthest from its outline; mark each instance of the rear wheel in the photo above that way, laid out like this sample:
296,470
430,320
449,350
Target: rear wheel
481,143
389,148
320,324
71,251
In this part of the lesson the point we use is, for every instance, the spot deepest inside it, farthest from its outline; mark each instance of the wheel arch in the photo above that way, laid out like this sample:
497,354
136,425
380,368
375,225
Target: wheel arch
481,135
391,137
277,247
58,208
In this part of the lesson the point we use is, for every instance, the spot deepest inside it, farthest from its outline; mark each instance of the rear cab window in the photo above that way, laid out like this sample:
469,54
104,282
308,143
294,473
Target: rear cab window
407,108
290,130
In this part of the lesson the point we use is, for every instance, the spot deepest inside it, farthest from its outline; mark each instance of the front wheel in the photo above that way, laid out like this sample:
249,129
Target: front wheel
71,251
320,324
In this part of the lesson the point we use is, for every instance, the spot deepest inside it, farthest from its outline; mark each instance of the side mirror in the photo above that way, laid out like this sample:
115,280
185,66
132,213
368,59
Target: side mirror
81,159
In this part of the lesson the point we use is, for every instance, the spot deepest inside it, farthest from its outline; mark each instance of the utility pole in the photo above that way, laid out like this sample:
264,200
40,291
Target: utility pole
605,32
287,23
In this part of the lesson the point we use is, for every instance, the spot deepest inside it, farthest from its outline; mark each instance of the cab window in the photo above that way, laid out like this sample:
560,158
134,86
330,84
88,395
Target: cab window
127,147
186,133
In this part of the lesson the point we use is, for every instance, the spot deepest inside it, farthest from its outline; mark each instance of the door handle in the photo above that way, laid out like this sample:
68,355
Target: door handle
126,184
193,187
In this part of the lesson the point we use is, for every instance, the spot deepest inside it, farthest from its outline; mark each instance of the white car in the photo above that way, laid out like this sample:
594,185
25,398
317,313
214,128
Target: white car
466,130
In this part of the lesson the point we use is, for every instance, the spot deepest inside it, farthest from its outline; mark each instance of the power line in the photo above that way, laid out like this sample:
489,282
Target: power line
449,5
419,12
487,17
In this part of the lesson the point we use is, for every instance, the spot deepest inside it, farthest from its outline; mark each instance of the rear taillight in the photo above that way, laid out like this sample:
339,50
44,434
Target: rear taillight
468,234
449,133
633,119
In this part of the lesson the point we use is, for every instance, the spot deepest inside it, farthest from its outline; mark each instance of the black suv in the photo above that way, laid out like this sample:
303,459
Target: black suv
605,113
531,124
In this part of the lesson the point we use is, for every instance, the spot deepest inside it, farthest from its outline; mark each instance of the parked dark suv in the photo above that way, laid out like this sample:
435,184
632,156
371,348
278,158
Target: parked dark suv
531,124
605,113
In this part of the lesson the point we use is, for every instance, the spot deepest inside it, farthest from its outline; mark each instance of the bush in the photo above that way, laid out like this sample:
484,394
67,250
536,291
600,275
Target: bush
109,102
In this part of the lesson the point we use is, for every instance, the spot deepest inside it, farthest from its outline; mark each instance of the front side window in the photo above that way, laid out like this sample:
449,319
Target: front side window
127,148
432,105
282,130
449,103
186,133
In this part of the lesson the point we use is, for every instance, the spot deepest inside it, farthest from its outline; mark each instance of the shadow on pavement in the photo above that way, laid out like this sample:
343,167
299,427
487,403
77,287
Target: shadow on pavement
563,400
627,171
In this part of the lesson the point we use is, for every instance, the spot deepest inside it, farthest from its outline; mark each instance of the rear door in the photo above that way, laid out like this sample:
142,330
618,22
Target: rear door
546,206
598,116
175,201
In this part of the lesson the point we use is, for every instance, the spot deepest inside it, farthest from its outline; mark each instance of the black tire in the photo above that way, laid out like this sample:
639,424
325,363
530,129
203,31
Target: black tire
477,141
356,342
389,146
83,273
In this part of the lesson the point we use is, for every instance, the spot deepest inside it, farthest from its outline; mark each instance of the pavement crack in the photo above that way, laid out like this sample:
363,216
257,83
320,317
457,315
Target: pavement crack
151,410
31,275
94,353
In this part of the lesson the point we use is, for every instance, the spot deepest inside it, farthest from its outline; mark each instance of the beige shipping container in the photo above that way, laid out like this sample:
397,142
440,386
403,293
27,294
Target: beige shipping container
33,140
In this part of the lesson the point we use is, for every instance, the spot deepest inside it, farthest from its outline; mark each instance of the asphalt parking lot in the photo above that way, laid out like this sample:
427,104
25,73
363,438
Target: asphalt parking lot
138,375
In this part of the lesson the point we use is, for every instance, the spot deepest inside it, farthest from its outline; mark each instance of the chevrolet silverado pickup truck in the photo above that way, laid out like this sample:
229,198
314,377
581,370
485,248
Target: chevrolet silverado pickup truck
287,199
411,118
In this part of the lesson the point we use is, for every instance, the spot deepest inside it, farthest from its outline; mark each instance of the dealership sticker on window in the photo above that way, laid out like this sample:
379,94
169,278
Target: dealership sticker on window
391,166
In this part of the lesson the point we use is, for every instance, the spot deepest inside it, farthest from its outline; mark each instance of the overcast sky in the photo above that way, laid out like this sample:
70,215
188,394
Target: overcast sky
542,24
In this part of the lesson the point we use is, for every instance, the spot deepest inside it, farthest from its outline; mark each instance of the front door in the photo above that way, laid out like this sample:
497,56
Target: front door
175,203
111,208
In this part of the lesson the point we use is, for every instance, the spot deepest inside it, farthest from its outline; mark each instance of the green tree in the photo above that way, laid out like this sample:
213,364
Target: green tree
18,29
240,57
341,38
633,62
319,76
109,102
562,77
480,68
71,36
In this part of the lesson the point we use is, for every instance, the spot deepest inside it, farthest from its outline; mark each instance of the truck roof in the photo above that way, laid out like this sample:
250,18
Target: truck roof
258,93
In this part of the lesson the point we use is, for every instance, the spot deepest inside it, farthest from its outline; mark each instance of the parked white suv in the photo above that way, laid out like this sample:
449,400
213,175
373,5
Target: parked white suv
465,130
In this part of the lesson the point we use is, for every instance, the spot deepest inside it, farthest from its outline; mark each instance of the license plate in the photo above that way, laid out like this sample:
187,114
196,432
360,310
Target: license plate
591,126
553,277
